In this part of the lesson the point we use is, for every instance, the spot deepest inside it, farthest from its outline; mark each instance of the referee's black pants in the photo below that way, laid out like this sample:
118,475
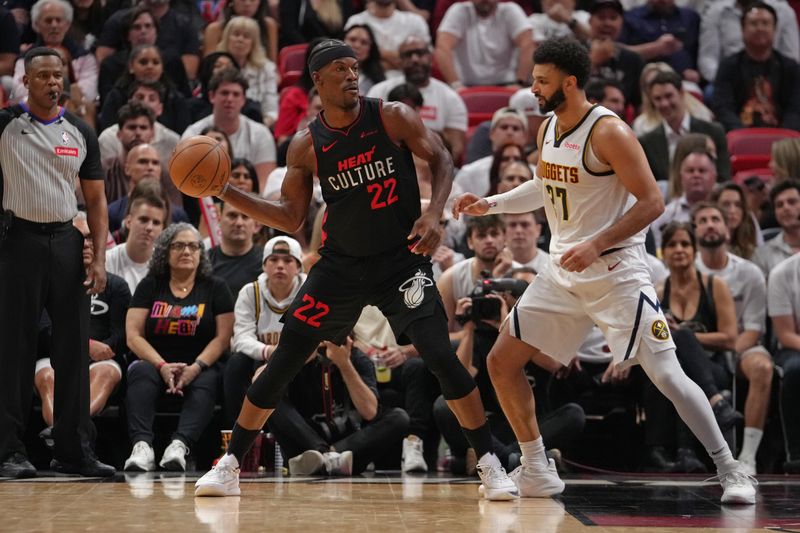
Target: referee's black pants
41,267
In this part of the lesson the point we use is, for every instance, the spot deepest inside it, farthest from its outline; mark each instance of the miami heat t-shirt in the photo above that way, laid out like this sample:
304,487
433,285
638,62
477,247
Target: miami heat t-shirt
180,328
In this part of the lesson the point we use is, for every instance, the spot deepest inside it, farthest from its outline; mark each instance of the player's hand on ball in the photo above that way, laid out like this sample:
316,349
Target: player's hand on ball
426,228
579,257
470,204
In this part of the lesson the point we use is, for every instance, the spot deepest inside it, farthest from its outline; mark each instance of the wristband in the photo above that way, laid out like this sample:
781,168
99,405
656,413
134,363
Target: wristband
160,364
202,364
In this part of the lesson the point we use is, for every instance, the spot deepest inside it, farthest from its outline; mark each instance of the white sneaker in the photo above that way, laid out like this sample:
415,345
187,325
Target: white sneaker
174,457
747,466
338,464
222,480
533,481
307,463
496,483
142,459
737,486
413,459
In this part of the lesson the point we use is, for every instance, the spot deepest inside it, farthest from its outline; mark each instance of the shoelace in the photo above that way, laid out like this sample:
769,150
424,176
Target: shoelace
492,472
735,477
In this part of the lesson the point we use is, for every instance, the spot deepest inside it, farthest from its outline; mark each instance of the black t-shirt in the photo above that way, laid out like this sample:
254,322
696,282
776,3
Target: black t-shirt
369,184
108,309
305,392
236,271
180,328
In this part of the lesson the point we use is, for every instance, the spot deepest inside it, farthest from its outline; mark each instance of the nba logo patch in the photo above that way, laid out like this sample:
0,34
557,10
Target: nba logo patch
64,137
413,289
660,330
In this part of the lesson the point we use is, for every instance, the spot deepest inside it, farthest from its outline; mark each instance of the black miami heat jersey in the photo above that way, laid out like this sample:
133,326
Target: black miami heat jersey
368,183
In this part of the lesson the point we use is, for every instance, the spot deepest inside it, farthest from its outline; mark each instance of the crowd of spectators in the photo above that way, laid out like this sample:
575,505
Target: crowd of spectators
196,289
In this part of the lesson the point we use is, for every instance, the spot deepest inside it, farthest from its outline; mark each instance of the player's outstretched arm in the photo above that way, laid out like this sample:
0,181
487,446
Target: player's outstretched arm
404,126
524,198
288,213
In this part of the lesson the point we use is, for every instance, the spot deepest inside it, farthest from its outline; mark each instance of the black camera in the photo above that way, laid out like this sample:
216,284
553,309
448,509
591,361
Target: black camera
485,308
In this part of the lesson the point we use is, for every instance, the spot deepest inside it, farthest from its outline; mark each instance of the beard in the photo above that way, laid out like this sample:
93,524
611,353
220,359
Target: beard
552,103
712,241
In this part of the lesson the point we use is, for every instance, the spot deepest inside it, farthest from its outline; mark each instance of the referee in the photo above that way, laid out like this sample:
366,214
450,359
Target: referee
44,150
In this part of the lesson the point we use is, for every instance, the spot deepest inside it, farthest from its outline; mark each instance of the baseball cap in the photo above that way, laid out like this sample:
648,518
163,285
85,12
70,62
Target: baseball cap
508,112
294,248
613,4
524,102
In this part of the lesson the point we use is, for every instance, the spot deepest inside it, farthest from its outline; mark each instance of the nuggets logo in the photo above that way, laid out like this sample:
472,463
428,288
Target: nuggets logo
413,289
660,330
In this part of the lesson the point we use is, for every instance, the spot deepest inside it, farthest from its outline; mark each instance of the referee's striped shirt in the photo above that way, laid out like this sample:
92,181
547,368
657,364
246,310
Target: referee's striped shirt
41,161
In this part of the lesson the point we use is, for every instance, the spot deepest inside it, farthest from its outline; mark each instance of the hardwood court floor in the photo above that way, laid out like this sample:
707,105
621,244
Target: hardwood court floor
385,503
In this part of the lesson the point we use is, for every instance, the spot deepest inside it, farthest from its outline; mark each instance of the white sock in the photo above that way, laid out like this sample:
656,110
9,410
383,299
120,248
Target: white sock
752,439
723,459
489,459
533,452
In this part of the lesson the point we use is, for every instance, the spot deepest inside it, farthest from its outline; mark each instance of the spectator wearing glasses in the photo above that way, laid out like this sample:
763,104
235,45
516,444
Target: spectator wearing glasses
179,323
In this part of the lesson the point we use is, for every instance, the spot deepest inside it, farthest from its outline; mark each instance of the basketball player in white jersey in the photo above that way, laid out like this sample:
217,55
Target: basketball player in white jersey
600,196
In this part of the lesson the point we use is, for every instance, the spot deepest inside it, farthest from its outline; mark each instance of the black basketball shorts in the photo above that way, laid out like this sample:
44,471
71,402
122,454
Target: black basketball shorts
338,287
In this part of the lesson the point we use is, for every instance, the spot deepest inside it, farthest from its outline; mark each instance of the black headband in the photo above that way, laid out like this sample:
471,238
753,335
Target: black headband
327,51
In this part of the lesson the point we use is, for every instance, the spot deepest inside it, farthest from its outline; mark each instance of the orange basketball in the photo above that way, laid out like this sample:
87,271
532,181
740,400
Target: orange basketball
199,166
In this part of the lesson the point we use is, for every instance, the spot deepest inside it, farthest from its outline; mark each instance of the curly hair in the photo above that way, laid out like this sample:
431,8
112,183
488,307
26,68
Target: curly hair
159,268
568,55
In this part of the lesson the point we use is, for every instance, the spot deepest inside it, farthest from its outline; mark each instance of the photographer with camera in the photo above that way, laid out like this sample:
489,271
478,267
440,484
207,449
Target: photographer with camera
329,420
486,238
481,314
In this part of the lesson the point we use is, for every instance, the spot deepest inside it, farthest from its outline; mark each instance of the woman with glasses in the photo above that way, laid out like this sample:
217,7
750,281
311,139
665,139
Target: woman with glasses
179,323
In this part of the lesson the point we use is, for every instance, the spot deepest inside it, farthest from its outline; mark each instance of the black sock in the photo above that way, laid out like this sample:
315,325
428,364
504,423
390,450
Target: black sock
241,441
480,439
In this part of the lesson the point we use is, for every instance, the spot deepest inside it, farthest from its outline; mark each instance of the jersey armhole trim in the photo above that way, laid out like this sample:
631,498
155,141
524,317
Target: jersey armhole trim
586,147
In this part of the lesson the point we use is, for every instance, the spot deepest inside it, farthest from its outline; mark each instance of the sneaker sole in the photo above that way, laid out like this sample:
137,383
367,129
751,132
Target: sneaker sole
173,465
216,491
496,495
415,469
739,500
135,467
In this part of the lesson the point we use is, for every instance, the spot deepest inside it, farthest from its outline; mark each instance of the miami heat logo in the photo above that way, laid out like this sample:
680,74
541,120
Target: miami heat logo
413,289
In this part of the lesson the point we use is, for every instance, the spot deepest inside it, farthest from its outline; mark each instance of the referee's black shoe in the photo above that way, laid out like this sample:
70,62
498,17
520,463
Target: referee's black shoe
87,467
17,466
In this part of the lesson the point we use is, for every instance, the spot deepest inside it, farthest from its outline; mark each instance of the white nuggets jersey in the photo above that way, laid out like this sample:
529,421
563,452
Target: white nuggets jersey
583,197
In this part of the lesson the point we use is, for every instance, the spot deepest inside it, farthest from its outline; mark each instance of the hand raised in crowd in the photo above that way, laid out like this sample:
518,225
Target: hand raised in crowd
339,355
502,263
100,351
443,256
470,204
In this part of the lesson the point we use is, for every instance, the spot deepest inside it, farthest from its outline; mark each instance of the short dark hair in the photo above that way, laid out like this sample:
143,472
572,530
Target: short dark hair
154,85
568,55
130,18
228,75
134,109
667,78
484,223
406,91
783,186
758,4
596,88
149,192
699,206
39,51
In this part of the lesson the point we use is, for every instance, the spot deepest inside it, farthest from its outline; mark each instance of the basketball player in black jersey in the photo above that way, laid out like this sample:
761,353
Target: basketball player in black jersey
374,251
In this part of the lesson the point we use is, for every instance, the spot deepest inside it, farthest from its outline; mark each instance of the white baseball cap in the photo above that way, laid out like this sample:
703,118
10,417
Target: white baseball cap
294,248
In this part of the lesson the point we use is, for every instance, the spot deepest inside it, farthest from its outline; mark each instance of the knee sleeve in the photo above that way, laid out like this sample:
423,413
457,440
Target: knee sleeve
429,336
287,360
